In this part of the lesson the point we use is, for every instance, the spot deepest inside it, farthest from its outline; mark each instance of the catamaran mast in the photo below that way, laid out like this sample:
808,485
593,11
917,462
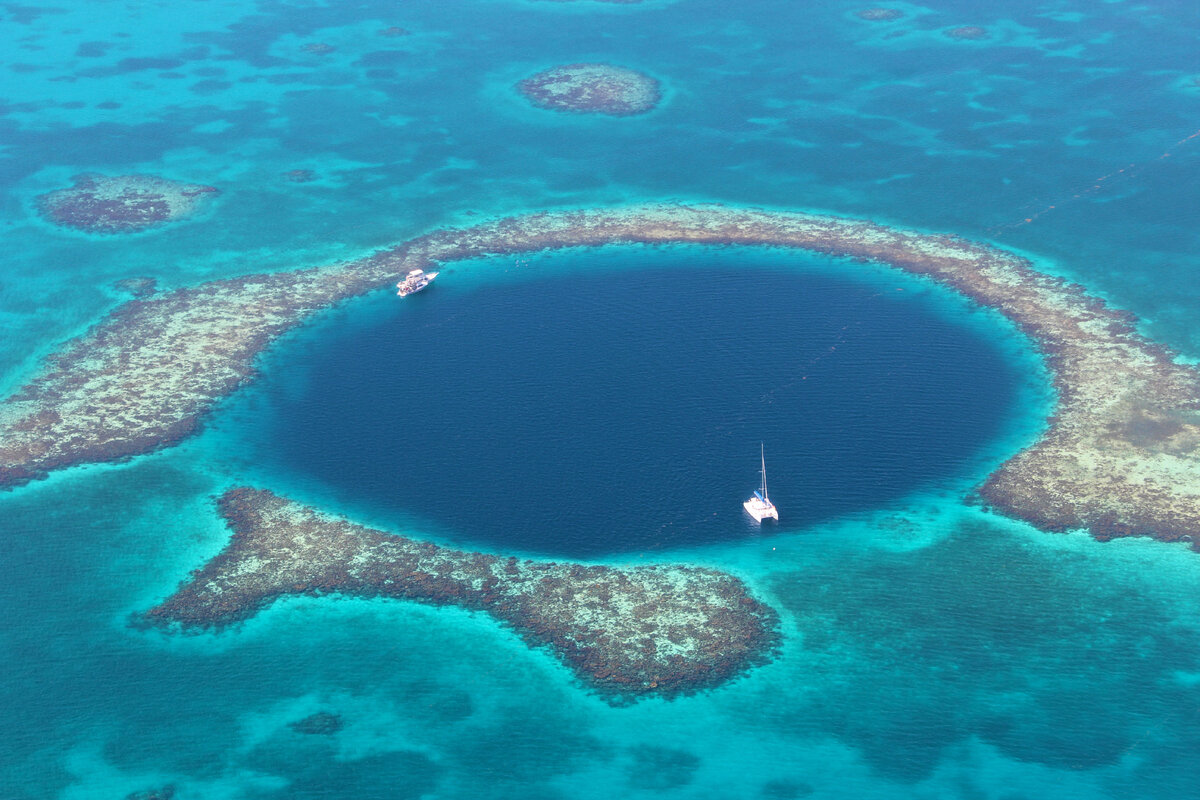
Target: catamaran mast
762,452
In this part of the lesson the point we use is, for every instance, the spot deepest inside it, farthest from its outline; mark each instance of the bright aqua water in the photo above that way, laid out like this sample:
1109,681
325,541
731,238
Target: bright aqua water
929,649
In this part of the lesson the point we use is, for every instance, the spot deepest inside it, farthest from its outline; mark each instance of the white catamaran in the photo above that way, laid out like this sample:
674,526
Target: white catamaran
760,506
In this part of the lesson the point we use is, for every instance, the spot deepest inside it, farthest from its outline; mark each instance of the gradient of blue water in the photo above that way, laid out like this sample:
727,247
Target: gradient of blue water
929,649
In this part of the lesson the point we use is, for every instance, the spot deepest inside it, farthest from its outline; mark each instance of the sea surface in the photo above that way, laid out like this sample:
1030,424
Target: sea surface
607,405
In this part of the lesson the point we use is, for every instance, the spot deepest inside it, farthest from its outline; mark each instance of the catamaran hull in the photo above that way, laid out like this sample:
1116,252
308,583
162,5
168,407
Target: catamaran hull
760,510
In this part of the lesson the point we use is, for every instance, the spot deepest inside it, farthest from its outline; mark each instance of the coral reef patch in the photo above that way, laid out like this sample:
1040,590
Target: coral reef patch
322,723
121,203
627,632
1120,455
880,14
967,33
592,89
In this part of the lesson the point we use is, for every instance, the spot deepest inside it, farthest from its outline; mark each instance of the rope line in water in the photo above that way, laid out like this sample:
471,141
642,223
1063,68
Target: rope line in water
1128,171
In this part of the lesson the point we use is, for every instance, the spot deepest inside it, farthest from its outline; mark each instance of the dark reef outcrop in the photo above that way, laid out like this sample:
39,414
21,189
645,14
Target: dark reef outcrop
592,89
627,632
121,203
1120,456
322,723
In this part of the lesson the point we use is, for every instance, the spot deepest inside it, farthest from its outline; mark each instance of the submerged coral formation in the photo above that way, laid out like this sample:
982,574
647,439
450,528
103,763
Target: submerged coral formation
141,286
1120,456
967,32
592,89
880,14
323,723
121,203
653,630
165,793
300,175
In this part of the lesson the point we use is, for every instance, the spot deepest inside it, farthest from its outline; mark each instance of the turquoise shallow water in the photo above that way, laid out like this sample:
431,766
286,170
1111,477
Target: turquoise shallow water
929,649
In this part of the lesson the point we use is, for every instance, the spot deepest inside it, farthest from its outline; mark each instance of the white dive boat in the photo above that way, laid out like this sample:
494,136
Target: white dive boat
414,281
760,506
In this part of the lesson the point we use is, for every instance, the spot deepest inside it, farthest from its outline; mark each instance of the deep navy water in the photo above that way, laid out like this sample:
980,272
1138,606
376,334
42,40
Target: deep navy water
609,404
620,407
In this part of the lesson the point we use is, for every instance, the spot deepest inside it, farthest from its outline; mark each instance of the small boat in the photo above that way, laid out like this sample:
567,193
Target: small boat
760,506
414,281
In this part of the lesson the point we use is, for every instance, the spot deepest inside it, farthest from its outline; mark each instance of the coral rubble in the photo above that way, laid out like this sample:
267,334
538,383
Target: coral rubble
1120,456
121,203
628,632
592,89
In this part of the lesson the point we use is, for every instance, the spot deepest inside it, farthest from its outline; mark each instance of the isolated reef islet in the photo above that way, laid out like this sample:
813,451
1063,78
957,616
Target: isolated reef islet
1119,457
592,89
121,203
627,632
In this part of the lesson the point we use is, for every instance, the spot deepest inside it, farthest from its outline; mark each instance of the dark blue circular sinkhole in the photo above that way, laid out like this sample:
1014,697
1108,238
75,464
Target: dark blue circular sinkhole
616,402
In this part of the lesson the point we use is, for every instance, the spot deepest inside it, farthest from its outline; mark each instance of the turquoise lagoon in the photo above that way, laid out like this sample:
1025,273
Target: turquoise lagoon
929,648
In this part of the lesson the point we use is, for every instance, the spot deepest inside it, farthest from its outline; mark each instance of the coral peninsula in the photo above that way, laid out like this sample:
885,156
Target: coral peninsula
1120,457
653,630
121,203
592,89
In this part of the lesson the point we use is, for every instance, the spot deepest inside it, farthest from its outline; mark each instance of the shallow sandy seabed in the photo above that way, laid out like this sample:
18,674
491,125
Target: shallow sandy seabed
1119,456
627,632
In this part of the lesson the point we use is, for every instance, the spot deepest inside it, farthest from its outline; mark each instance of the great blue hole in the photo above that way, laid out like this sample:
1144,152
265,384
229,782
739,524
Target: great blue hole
612,400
